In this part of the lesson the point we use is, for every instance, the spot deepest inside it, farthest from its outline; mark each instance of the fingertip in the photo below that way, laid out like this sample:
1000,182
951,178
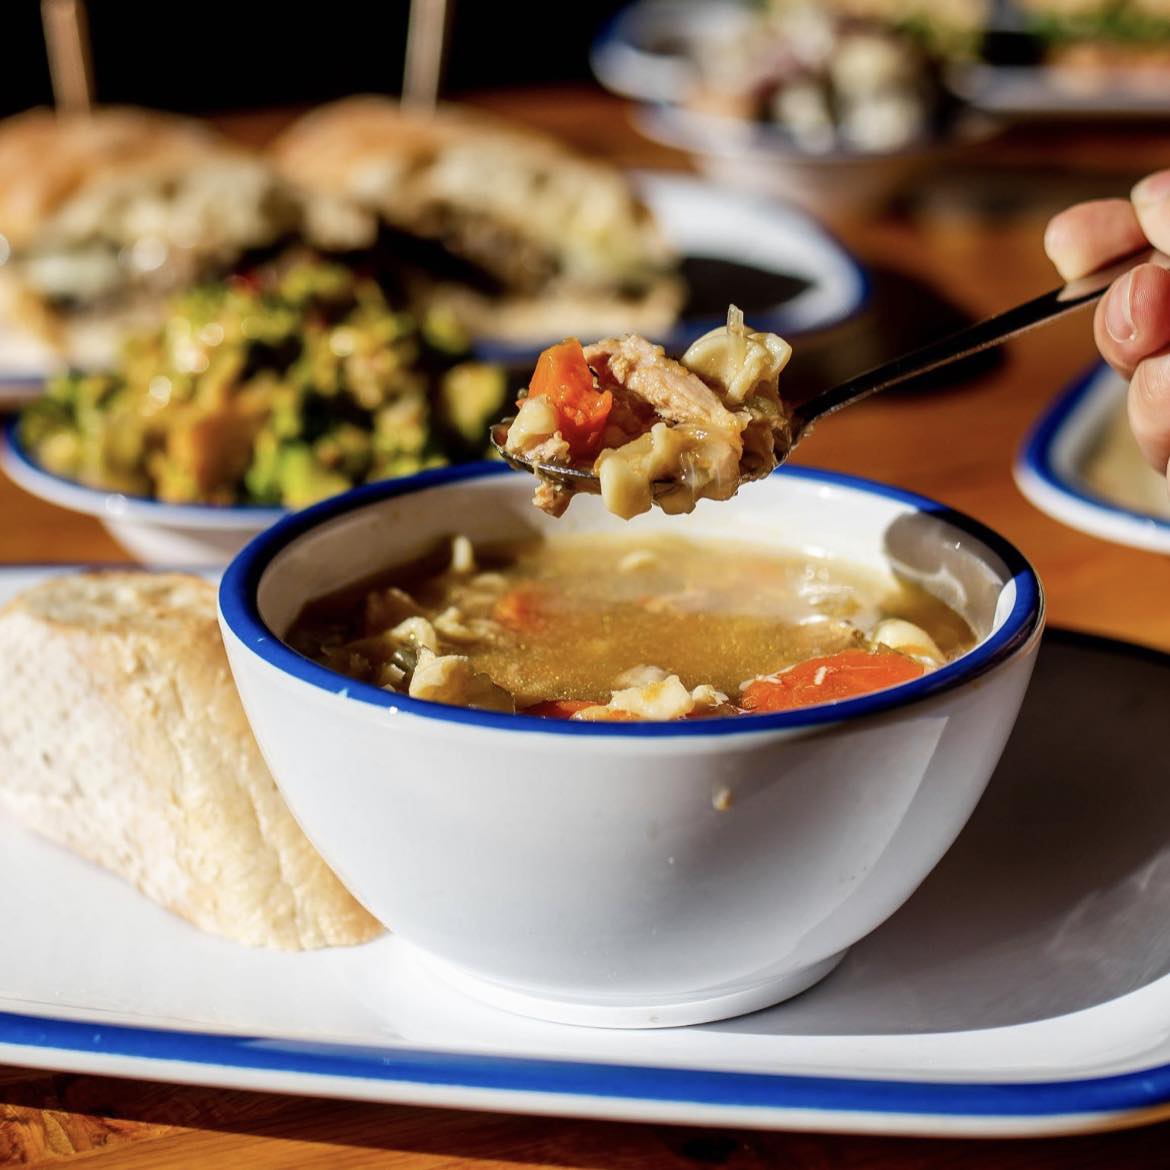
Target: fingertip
1149,410
1085,237
1132,321
1152,189
1060,244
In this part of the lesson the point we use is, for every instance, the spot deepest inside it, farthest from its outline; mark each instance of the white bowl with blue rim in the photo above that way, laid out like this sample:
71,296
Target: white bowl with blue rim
1051,468
644,874
152,531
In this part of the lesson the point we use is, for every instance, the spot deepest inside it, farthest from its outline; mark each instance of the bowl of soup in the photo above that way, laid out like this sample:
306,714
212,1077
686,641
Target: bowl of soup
631,774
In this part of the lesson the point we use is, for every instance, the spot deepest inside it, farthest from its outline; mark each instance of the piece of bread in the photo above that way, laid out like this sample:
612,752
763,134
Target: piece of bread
122,738
548,226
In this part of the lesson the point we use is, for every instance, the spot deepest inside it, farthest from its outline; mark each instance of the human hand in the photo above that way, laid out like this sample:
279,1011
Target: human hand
1132,322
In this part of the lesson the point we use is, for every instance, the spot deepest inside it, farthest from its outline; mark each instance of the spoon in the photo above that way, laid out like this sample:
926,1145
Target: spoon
975,338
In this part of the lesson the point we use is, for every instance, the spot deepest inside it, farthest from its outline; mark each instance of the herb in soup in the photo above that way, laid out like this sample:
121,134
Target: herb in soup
592,627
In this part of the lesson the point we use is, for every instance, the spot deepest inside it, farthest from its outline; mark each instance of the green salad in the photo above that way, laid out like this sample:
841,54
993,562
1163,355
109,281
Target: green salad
282,387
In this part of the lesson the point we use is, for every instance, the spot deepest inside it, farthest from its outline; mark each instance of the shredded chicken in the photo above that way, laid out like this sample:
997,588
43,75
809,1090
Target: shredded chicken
452,679
676,394
551,497
661,698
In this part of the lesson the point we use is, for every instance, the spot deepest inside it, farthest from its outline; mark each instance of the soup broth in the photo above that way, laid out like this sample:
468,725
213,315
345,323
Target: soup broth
566,625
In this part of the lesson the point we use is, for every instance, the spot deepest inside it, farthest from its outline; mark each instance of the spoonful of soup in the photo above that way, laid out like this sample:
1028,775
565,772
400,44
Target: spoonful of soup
622,419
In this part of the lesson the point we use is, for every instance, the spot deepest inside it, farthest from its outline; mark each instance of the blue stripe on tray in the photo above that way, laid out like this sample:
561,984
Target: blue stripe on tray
1124,1092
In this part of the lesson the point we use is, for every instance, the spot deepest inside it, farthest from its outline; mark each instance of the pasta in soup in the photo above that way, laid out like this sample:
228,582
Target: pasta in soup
604,628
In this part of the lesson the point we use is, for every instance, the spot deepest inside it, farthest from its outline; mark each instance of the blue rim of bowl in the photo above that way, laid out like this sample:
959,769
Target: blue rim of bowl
98,501
1038,455
240,583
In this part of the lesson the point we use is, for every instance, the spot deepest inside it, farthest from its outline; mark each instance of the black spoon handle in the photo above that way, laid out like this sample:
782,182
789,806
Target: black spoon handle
983,335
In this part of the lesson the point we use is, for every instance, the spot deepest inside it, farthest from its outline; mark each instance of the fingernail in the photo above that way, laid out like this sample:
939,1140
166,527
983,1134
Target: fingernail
1119,310
1152,189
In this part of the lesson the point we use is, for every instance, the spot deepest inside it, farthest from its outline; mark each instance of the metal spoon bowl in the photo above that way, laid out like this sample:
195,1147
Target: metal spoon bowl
935,355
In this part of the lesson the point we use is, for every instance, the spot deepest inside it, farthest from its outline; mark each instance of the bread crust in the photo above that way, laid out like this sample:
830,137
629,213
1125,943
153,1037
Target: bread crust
123,739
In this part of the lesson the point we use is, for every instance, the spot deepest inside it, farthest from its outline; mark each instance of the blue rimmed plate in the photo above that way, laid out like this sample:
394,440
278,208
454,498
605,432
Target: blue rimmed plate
153,531
1080,467
24,365
1025,988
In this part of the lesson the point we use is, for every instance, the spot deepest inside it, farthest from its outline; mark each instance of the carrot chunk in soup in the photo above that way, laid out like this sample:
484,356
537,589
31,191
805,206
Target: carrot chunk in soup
828,680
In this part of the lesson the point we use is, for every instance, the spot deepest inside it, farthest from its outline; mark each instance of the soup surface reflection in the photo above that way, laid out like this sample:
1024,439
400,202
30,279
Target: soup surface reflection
602,627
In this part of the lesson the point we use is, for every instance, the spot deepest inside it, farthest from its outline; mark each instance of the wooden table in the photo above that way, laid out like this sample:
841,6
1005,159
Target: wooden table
968,240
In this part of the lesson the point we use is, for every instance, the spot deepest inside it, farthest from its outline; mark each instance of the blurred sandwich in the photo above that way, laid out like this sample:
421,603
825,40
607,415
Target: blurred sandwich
101,213
517,235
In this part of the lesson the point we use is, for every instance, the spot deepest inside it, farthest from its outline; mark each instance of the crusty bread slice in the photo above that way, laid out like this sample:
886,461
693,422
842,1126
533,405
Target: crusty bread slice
122,738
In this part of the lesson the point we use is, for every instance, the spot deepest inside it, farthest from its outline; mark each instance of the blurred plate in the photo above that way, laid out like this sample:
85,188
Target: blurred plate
1041,90
24,365
153,531
762,158
772,260
646,51
1081,466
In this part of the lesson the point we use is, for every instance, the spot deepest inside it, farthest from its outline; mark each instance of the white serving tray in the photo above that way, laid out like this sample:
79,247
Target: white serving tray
1023,990
1048,468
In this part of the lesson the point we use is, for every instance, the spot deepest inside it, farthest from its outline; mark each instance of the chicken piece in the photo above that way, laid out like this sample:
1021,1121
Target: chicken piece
676,394
662,699
552,498
452,679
